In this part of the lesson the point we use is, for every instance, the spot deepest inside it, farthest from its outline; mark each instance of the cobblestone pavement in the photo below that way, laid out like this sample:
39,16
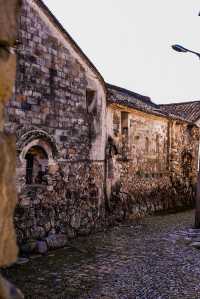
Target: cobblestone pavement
146,260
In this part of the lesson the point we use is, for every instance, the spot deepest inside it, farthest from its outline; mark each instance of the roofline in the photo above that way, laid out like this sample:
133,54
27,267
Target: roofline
169,117
131,93
180,103
49,14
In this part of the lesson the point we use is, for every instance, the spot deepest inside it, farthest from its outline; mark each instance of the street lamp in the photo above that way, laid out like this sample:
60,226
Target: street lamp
179,48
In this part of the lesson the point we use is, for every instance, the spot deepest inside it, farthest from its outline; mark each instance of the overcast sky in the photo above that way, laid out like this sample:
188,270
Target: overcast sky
129,41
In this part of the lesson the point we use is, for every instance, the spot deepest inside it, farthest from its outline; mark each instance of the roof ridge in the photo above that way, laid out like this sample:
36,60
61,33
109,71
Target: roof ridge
180,103
139,96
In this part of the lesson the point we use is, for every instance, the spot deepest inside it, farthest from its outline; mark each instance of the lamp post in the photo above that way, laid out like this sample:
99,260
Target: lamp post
179,48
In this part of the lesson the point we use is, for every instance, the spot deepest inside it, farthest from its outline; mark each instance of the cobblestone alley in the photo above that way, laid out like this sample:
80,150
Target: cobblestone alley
148,260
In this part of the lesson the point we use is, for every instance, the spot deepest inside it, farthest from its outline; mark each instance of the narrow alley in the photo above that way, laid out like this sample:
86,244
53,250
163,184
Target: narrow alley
152,259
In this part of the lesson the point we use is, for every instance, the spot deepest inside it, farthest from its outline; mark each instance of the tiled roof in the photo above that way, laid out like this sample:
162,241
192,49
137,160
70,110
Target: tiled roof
137,101
188,110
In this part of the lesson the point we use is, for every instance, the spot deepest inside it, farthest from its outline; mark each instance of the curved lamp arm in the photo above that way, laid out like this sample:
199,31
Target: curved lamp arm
179,48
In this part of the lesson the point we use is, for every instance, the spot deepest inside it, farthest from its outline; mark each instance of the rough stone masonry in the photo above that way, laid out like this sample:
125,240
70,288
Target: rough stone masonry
88,154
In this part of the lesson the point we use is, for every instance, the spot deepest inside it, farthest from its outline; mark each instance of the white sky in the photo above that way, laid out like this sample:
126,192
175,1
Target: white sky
129,42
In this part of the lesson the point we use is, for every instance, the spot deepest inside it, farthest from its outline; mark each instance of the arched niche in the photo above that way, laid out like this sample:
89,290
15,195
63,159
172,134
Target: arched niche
42,144
36,165
27,135
36,161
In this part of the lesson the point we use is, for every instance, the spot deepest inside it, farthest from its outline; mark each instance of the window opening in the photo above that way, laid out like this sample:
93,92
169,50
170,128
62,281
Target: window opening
36,166
157,144
147,145
90,101
124,123
124,132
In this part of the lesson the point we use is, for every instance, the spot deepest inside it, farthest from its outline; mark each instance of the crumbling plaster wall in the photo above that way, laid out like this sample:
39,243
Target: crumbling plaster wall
184,146
148,173
49,109
198,162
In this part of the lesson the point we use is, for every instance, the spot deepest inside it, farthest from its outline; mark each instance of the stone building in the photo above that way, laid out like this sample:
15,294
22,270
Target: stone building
88,153
190,111
156,158
58,113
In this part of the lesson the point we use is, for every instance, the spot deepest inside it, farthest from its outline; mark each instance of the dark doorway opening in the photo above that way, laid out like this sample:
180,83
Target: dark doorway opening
36,165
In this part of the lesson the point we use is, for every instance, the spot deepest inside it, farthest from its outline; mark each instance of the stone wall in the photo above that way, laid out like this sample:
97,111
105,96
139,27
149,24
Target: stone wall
81,168
151,162
71,203
58,108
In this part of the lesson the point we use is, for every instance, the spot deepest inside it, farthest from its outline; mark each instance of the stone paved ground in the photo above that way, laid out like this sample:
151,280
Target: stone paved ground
132,261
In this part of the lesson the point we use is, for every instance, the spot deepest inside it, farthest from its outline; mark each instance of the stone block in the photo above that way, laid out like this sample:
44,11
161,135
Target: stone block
41,247
56,241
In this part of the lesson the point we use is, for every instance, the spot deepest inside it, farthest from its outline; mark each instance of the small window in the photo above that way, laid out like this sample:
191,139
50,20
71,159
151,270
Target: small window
36,166
157,144
116,124
124,122
91,101
125,135
147,145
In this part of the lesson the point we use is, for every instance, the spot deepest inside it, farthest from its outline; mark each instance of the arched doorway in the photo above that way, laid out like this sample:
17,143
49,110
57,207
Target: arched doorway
36,165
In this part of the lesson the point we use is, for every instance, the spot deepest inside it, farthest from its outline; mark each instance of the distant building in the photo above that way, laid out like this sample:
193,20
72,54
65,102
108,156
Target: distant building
187,110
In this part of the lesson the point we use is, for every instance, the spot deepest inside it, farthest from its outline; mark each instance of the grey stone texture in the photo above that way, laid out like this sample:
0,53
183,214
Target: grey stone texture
146,260
96,174
49,109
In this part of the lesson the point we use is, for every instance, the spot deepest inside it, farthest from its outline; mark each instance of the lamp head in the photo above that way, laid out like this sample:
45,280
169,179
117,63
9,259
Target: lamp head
179,48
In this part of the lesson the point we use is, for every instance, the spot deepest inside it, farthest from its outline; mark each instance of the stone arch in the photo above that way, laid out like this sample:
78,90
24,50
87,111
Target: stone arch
28,139
39,143
33,166
26,136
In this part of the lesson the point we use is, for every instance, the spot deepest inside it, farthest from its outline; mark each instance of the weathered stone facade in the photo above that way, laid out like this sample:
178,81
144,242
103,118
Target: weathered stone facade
154,166
59,107
82,164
